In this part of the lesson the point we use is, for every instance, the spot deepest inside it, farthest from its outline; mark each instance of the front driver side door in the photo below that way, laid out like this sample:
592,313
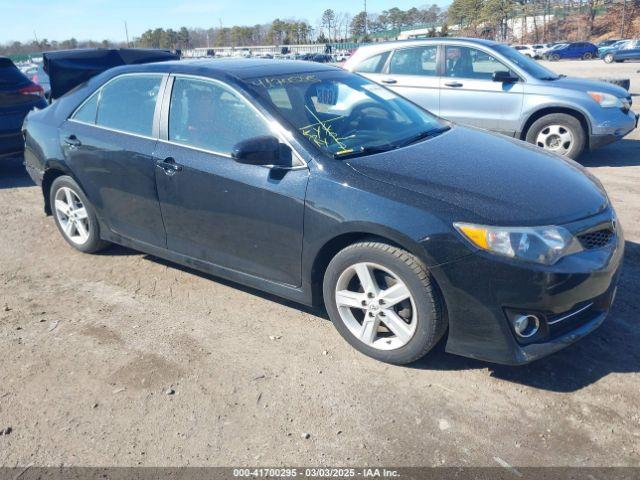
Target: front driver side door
470,96
245,218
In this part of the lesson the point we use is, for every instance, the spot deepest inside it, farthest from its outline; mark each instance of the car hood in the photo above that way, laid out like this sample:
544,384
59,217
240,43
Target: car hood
584,85
490,178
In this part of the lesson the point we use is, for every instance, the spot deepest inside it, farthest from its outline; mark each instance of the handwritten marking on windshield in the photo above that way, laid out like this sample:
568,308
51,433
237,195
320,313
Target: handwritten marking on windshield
321,133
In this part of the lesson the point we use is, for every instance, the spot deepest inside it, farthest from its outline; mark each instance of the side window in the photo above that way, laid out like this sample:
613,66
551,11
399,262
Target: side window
207,115
128,103
465,62
373,64
414,61
87,112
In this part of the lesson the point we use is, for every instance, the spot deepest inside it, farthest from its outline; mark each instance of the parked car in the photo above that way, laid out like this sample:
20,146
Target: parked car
490,85
18,95
531,51
607,43
575,50
546,47
628,51
318,185
607,48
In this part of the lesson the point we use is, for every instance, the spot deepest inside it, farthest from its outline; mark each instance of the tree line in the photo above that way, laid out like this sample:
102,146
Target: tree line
545,20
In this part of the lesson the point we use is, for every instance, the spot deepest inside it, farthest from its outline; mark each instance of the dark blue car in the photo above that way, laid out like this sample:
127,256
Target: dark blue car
18,95
576,50
320,186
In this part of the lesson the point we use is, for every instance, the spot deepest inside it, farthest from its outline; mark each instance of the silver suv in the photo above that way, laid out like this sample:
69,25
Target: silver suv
492,86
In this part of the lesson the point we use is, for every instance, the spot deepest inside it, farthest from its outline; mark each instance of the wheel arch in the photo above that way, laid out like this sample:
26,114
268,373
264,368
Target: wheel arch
50,174
333,245
581,117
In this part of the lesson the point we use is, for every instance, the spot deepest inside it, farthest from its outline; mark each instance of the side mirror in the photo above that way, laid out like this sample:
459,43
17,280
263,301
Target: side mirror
504,76
265,151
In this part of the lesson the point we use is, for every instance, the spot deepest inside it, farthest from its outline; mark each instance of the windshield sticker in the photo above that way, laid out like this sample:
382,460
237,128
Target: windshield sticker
327,94
272,82
322,133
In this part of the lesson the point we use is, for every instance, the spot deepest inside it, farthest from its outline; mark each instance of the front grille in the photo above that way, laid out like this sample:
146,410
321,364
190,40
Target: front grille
597,239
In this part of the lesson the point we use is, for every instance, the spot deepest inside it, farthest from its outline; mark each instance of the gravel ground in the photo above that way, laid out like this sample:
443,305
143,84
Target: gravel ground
123,359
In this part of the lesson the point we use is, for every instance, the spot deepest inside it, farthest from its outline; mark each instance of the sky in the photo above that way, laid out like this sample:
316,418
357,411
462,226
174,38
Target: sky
104,19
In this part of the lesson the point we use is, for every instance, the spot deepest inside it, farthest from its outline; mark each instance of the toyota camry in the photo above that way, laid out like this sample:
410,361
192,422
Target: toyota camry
320,186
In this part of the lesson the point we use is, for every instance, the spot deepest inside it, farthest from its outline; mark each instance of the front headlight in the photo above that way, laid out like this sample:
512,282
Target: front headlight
606,100
544,245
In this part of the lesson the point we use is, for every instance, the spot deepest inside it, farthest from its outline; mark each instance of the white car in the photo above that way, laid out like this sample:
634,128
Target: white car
531,51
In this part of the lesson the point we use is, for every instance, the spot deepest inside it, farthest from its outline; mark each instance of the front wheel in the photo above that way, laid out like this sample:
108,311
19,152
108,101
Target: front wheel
587,56
382,300
74,215
559,133
608,58
554,58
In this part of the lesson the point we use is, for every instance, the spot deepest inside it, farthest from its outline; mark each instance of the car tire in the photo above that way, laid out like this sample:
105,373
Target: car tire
554,58
359,311
75,216
558,132
608,58
587,56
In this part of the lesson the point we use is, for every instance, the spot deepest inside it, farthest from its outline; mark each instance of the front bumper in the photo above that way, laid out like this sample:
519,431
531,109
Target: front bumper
480,288
613,129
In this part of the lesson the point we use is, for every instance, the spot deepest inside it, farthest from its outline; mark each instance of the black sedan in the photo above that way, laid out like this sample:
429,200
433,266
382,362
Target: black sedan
318,185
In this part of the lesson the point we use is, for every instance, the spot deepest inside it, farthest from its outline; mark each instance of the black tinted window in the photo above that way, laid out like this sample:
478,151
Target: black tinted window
373,64
414,61
87,112
128,103
207,115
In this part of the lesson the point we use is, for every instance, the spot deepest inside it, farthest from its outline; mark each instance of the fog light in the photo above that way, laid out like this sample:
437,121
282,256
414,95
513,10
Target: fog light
526,325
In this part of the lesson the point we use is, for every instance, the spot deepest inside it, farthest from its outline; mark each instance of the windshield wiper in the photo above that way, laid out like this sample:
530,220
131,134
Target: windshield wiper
366,150
422,135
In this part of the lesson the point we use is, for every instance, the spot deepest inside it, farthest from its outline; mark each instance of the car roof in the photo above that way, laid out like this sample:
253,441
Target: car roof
420,41
240,68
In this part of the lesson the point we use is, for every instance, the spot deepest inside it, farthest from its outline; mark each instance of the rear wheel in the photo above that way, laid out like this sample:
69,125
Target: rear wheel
559,133
382,300
74,216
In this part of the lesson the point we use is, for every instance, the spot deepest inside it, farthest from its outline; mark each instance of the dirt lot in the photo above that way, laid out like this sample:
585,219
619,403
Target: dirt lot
91,344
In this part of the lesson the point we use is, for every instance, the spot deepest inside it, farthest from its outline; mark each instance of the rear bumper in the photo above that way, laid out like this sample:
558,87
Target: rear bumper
572,299
11,143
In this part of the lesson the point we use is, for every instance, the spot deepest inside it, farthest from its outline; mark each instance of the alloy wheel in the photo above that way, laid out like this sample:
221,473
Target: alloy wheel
556,138
376,306
72,215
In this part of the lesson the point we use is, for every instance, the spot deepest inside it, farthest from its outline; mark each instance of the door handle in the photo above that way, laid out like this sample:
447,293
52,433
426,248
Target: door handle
389,81
169,166
73,141
453,84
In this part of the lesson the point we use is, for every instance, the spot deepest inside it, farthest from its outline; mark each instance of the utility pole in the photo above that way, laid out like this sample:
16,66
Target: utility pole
366,20
35,36
624,15
126,32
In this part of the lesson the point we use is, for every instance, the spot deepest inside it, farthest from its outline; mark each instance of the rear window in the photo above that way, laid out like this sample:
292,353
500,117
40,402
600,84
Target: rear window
10,75
372,64
128,104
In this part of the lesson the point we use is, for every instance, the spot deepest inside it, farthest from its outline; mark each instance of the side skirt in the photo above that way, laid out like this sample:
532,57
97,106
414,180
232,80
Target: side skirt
288,292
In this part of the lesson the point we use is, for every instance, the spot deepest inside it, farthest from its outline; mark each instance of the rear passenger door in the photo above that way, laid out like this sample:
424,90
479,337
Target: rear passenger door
244,218
412,72
470,96
108,143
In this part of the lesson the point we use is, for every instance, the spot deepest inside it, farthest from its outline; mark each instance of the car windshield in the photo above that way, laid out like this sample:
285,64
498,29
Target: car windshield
527,64
343,114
